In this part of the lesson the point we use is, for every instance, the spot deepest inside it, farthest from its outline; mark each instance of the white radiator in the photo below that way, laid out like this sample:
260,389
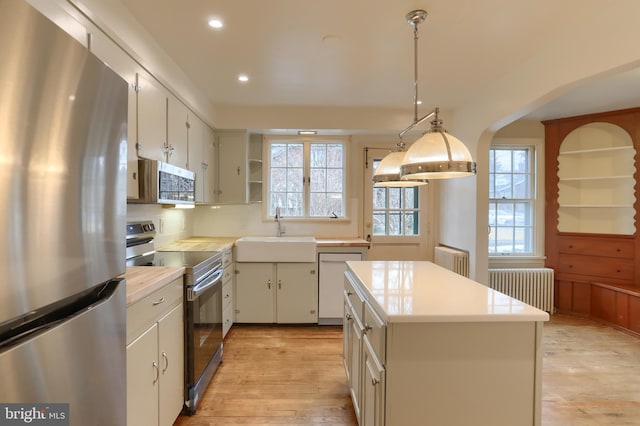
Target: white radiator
533,286
453,259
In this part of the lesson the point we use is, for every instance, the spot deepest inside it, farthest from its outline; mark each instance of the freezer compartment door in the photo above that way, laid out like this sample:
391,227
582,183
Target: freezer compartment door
79,359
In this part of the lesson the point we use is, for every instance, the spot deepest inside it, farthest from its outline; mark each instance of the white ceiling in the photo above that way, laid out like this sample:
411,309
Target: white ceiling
359,53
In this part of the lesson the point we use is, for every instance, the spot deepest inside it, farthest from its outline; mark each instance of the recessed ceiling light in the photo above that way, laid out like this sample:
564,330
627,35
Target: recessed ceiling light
215,23
243,78
307,132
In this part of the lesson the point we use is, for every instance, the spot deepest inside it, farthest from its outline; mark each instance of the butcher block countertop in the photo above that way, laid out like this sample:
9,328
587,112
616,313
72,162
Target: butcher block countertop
144,280
200,244
341,242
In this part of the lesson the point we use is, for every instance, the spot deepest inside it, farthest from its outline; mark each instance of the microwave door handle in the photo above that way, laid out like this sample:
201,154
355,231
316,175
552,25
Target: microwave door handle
201,287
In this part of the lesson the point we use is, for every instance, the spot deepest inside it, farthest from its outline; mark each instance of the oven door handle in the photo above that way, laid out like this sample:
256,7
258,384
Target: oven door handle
194,292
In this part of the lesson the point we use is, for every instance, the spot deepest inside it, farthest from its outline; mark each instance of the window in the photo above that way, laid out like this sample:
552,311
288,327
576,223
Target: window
511,200
395,210
307,178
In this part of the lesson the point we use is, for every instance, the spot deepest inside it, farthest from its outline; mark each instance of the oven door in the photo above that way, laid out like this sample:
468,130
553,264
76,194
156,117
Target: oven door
203,335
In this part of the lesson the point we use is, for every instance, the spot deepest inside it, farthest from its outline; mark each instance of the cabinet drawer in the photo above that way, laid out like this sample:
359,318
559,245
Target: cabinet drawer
145,312
227,319
354,296
376,331
616,268
603,247
227,294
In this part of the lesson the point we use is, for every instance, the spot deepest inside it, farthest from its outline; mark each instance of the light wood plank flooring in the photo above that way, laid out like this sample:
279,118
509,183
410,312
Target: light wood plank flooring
294,376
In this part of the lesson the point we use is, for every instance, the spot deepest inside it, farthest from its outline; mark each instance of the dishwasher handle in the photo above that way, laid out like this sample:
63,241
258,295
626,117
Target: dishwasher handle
193,292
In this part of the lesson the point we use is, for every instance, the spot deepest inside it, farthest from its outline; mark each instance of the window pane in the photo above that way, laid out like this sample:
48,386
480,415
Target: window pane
503,161
504,238
294,180
318,180
318,155
492,214
411,223
278,155
522,216
503,188
521,186
335,154
335,203
394,198
395,225
294,205
379,224
379,198
295,155
318,204
411,198
278,180
334,180
520,161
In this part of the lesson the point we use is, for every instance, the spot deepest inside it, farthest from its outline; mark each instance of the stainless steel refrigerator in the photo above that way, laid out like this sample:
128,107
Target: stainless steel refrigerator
63,126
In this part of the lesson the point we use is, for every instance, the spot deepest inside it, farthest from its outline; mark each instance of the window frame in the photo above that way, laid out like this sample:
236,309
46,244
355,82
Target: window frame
536,147
269,211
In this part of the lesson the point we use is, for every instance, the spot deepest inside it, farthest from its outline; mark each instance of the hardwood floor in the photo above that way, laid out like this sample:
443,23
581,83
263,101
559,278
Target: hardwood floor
278,376
591,374
294,376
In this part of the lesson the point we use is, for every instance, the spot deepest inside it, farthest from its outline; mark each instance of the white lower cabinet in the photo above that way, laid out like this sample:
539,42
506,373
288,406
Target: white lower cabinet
155,357
373,387
227,291
276,293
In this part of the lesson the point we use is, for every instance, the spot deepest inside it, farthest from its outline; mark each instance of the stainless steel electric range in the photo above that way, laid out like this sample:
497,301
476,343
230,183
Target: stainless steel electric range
203,304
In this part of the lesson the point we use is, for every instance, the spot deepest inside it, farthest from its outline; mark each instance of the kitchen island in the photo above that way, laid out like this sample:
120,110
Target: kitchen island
423,345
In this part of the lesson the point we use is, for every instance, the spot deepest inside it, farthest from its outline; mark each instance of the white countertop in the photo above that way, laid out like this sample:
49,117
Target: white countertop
407,291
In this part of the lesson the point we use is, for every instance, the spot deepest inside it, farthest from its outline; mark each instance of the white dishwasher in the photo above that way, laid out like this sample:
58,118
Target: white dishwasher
331,268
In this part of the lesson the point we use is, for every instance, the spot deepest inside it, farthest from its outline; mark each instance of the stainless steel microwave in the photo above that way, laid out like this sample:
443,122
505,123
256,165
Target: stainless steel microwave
164,183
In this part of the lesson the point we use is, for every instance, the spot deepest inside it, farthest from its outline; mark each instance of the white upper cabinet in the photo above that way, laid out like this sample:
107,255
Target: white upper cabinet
177,129
127,68
232,167
152,119
201,158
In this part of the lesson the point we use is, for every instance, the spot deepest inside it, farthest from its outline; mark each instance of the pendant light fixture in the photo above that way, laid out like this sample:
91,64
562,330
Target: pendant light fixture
436,155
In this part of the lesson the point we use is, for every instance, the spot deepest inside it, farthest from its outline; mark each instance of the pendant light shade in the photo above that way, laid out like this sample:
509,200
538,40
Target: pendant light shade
437,155
388,172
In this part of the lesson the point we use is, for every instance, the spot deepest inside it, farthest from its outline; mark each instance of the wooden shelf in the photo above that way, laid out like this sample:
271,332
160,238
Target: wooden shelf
597,150
596,178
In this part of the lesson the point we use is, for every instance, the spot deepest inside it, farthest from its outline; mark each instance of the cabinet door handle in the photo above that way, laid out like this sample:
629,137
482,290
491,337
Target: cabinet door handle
166,362
279,284
367,328
348,317
269,284
349,293
157,302
374,381
157,371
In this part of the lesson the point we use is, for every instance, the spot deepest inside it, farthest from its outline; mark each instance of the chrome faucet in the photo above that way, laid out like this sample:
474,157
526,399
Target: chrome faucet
280,231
